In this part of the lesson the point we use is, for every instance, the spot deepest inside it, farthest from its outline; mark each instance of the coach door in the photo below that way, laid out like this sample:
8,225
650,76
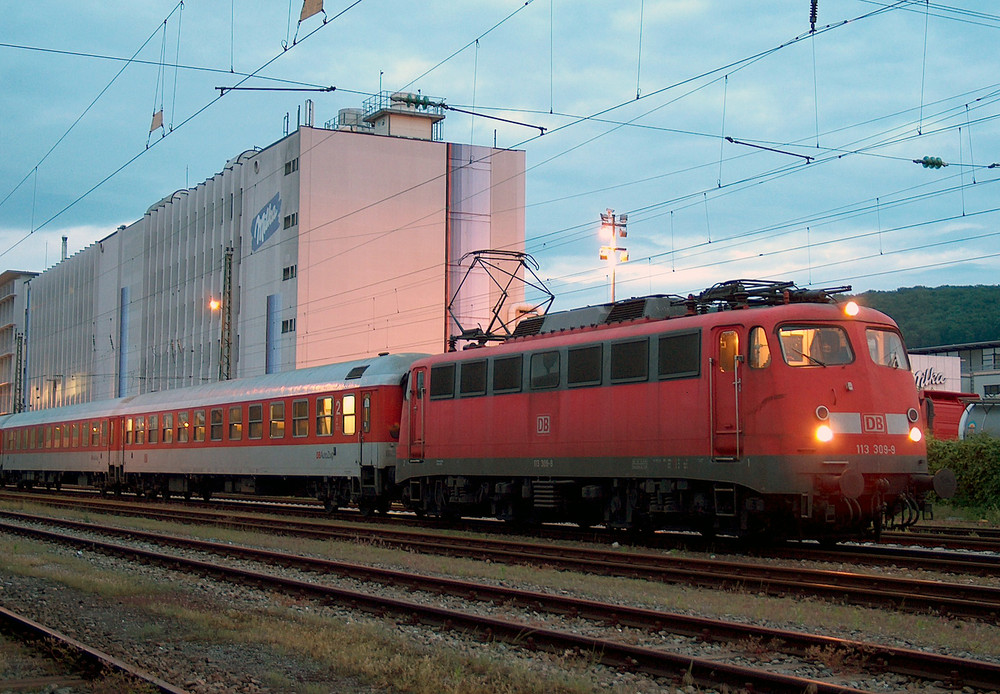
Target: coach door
116,451
368,454
725,375
418,391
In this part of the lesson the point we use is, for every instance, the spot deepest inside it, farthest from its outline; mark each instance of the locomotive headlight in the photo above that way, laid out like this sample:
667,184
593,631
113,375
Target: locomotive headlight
824,433
916,434
851,309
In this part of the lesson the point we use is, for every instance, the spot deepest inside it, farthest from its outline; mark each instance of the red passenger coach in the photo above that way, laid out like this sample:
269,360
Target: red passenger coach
755,408
329,432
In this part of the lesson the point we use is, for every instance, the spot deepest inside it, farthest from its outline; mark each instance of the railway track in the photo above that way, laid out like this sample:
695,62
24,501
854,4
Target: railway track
957,599
959,559
78,662
957,672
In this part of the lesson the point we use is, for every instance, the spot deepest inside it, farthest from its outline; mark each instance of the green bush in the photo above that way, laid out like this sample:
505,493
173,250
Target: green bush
976,464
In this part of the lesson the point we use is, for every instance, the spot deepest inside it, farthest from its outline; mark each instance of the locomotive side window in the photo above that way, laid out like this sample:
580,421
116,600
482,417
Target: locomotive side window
544,370
350,425
760,351
814,346
199,425
277,418
442,381
472,378
300,418
236,423
255,421
215,423
630,360
182,427
507,374
679,355
584,366
168,427
324,416
886,349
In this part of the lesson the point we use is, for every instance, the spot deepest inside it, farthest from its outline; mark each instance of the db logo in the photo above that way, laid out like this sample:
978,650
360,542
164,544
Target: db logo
543,425
873,423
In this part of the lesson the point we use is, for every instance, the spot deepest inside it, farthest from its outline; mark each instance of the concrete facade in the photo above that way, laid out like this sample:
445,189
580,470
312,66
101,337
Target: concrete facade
344,244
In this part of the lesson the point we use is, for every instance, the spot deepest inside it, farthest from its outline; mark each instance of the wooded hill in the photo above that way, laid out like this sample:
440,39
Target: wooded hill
934,316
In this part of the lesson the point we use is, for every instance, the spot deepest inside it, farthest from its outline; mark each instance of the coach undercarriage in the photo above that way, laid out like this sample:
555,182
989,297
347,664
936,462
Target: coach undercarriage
706,507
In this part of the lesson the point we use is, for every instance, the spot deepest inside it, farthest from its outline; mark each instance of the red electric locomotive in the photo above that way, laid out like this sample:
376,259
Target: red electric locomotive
754,408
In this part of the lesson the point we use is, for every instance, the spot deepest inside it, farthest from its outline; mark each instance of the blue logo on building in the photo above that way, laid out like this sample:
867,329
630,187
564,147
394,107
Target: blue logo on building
265,223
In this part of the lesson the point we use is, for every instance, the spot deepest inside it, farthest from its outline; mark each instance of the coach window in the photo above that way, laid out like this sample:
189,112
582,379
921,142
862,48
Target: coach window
235,423
472,379
183,425
199,425
507,374
129,430
300,418
442,381
679,355
584,366
630,361
760,352
544,370
95,433
366,413
154,428
255,421
349,415
215,423
48,436
324,416
74,435
729,350
168,427
277,420
140,430
105,432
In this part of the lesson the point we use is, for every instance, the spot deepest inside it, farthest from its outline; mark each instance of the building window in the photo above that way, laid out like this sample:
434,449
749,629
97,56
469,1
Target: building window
288,325
992,390
288,273
291,166
291,219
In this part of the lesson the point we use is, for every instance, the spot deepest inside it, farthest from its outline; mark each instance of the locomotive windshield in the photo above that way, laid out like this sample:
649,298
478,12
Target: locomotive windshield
804,345
886,348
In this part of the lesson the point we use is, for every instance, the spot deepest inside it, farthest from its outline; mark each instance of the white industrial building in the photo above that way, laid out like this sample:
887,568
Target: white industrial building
331,244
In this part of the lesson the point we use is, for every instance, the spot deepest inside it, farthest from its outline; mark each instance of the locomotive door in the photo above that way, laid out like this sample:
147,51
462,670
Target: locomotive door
725,376
418,391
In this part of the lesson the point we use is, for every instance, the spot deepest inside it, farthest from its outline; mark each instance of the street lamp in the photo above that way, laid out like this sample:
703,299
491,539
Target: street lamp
613,228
